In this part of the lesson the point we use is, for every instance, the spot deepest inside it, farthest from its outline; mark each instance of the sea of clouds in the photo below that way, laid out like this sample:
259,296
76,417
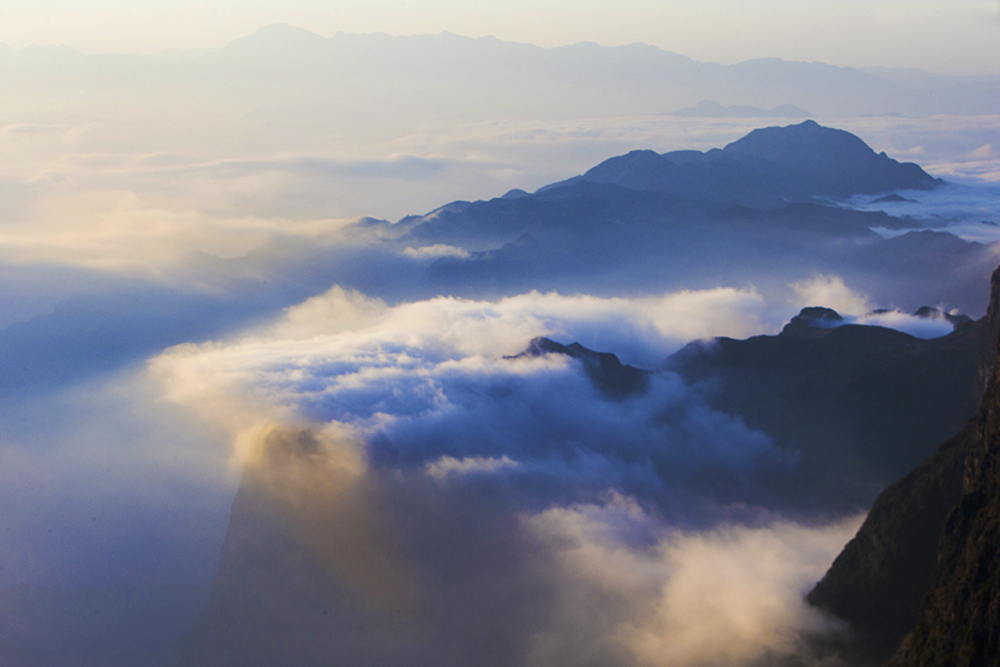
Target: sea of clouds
167,310
620,519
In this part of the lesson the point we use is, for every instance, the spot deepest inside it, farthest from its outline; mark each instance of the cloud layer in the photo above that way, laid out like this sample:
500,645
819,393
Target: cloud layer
403,443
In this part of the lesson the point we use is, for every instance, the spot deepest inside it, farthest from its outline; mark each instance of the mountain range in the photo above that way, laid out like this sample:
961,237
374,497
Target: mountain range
849,407
859,404
459,77
764,209
840,411
753,212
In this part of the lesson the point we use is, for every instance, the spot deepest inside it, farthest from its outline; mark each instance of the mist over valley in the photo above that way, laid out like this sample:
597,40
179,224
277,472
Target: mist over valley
380,350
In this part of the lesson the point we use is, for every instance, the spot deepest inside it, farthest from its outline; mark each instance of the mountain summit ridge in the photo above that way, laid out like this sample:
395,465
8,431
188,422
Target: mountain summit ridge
768,166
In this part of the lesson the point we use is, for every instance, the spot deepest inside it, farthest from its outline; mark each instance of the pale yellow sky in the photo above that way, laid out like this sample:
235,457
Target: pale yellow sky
951,36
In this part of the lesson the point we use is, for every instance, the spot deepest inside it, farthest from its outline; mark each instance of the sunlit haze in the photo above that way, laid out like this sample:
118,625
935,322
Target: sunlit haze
956,37
526,334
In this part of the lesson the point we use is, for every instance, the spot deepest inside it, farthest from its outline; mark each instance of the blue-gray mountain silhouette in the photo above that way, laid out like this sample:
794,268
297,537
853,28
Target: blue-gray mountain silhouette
767,167
761,210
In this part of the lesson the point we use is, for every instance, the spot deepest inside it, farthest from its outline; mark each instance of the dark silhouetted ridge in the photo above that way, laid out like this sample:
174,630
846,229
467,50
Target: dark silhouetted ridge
861,405
609,374
813,317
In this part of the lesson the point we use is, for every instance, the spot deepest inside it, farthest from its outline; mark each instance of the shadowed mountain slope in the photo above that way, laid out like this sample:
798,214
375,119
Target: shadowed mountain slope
959,621
861,403
936,530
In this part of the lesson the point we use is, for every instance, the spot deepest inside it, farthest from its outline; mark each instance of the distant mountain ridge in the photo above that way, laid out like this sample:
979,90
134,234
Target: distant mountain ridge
764,208
768,166
510,79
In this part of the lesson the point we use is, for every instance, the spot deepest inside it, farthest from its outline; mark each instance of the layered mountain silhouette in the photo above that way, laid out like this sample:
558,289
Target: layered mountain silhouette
920,583
520,80
762,210
768,167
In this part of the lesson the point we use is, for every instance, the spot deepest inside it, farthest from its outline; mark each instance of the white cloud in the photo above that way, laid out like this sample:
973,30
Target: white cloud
449,465
342,341
727,596
983,152
436,251
448,438
921,327
828,291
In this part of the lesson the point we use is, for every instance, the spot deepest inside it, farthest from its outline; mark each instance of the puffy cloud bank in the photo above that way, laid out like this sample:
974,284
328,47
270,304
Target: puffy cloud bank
727,596
856,308
468,505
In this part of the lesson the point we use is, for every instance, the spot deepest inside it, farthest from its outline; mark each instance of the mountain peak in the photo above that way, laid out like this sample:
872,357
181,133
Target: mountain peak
767,168
813,317
610,375
274,39
836,159
800,143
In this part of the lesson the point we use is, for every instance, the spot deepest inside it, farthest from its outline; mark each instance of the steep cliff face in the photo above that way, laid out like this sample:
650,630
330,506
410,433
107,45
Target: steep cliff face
880,578
936,530
959,622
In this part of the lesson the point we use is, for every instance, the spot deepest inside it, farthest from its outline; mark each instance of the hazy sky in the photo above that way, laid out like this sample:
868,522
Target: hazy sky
953,36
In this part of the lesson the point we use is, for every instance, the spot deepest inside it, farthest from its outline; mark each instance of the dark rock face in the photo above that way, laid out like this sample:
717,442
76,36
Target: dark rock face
959,622
879,580
928,554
